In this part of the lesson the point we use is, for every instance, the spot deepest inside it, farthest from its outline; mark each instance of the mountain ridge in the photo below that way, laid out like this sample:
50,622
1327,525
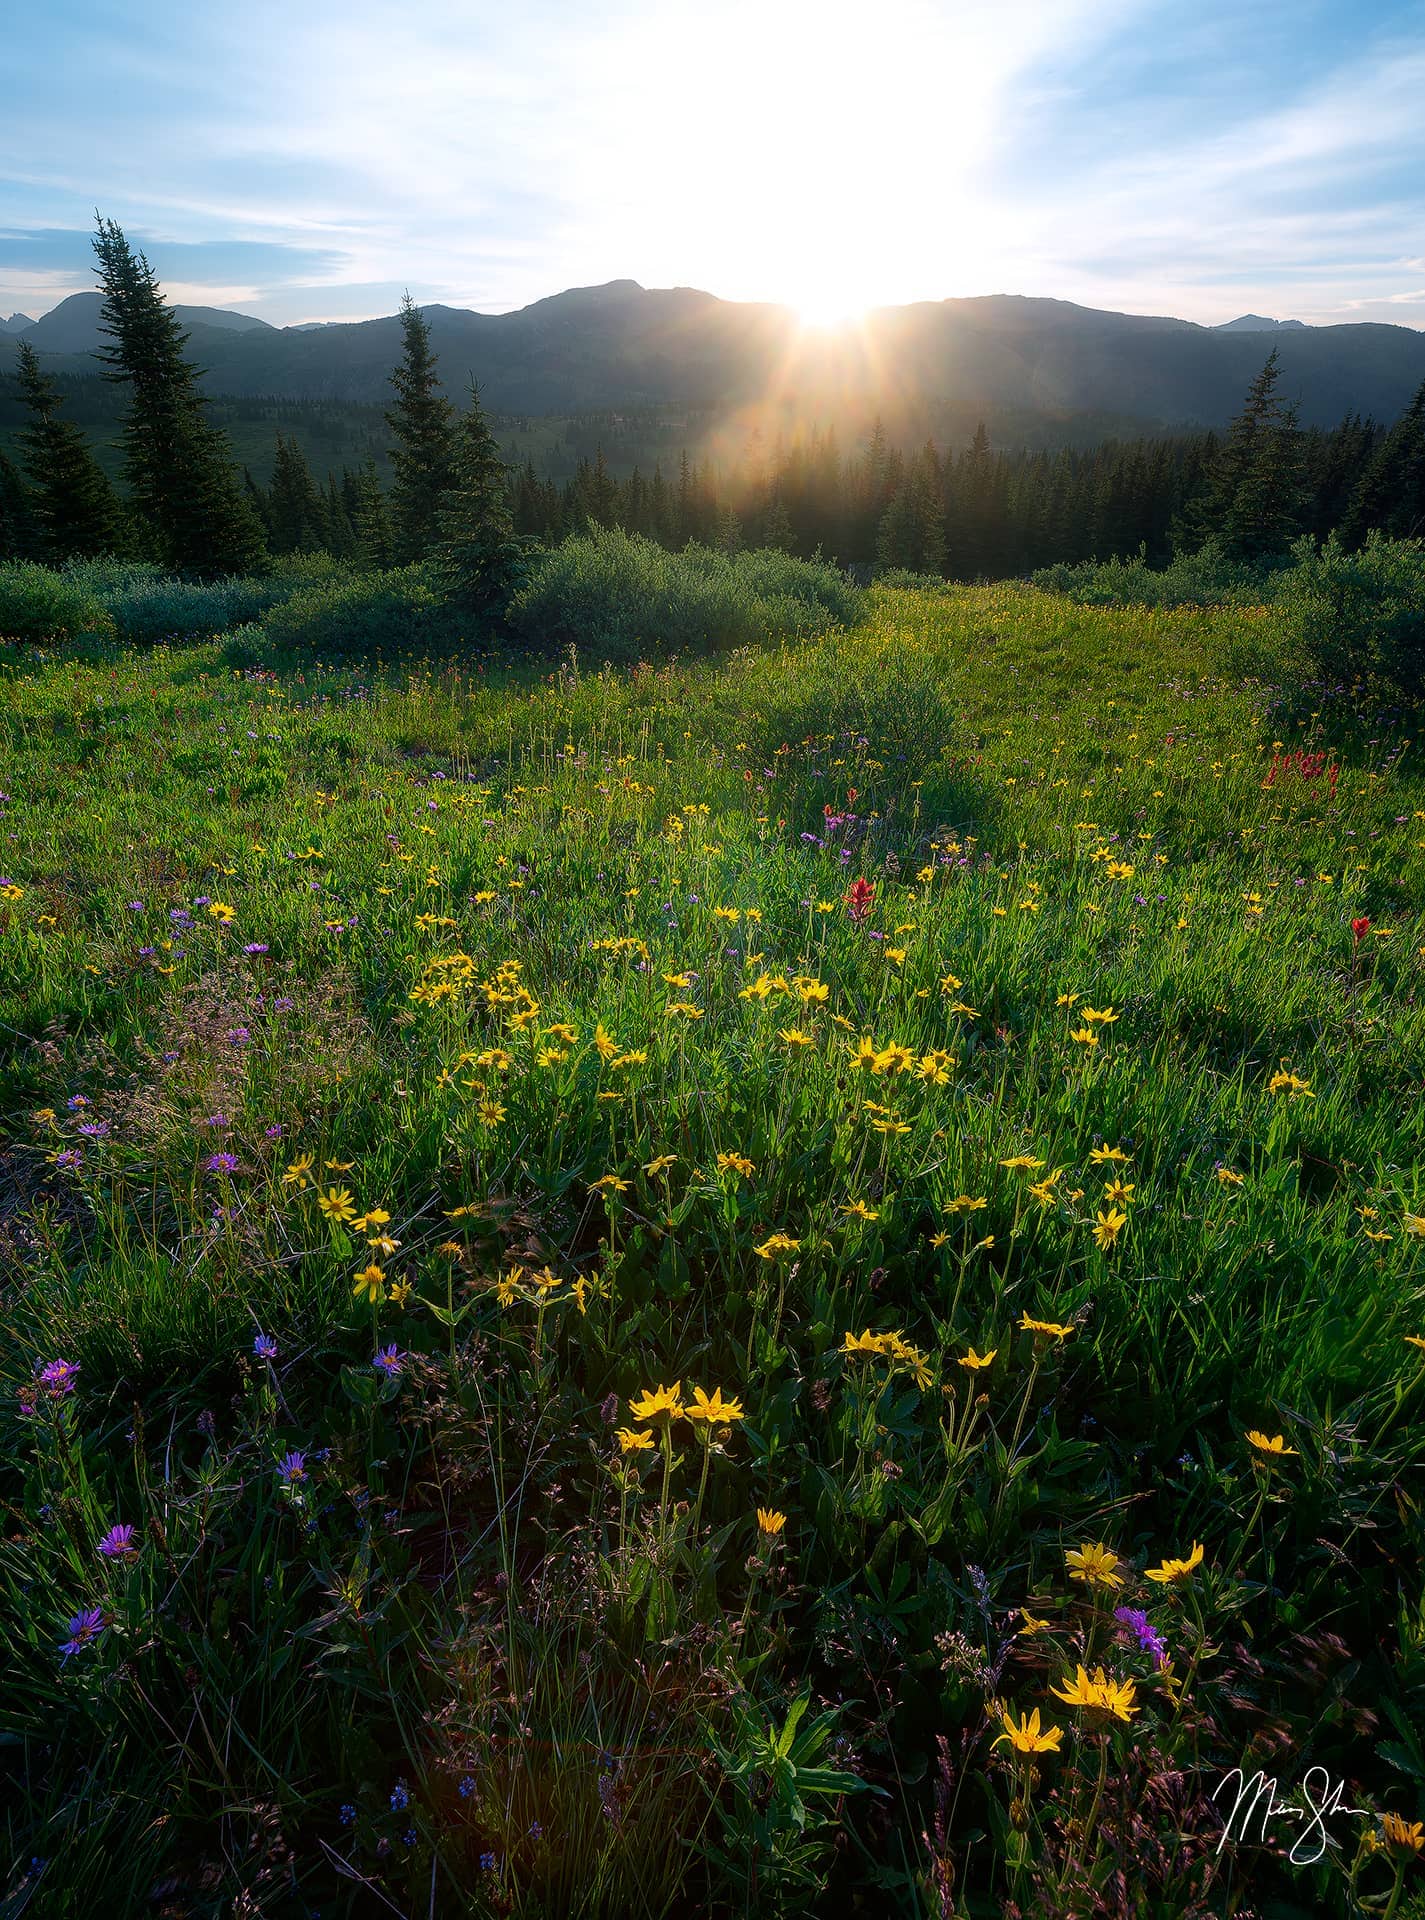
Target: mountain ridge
929,367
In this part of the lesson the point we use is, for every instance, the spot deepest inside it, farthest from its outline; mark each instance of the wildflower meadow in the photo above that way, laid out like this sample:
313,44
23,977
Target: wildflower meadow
769,1284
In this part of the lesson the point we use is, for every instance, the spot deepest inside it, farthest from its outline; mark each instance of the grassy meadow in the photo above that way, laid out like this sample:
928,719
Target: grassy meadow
780,1284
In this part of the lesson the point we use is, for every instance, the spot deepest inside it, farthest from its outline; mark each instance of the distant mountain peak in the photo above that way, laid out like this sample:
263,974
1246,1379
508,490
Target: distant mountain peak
73,326
1258,323
16,323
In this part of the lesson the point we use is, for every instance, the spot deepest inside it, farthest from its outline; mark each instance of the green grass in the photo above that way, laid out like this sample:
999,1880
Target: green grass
497,936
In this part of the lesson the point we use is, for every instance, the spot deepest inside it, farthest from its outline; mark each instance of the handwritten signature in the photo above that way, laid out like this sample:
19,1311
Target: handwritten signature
1257,1805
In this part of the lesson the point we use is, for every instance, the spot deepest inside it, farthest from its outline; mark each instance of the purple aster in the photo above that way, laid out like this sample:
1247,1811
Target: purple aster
223,1163
76,1101
1143,1631
136,906
57,1377
255,946
390,1361
273,1132
264,1347
293,1467
95,1129
83,1630
217,1120
71,1157
118,1544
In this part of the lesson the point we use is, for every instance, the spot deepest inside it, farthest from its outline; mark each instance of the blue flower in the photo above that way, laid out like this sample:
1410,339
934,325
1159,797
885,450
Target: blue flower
83,1630
264,1347
400,1797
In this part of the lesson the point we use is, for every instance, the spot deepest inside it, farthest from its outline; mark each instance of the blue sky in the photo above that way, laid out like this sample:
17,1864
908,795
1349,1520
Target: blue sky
308,161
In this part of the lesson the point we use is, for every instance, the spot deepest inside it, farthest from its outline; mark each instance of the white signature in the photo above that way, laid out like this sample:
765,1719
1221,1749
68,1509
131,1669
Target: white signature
1257,1804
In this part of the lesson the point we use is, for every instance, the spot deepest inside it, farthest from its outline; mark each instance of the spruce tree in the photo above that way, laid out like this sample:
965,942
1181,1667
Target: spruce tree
1390,495
296,512
180,472
372,523
423,457
73,508
16,527
1254,498
479,557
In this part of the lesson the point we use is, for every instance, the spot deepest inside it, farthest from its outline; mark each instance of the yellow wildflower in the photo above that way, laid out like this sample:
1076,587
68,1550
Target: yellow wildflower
1094,1565
1028,1736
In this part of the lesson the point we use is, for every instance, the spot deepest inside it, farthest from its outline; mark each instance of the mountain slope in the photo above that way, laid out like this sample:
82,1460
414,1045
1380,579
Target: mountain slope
1033,369
73,326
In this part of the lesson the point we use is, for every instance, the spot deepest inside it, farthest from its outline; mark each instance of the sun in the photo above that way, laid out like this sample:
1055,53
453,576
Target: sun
829,306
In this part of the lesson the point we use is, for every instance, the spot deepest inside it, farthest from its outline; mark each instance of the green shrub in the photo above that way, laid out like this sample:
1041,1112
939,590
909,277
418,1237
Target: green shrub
1350,616
38,604
904,579
1207,578
147,604
616,596
362,613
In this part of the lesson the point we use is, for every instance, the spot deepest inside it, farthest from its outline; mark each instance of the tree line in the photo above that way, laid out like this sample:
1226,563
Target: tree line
185,505
979,513
984,513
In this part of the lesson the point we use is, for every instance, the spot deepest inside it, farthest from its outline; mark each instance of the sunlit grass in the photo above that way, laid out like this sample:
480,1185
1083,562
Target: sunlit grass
549,1002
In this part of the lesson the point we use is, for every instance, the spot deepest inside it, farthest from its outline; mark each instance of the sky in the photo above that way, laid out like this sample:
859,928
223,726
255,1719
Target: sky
309,162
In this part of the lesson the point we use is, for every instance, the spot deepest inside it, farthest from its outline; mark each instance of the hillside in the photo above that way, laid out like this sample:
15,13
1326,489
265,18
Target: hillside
1037,371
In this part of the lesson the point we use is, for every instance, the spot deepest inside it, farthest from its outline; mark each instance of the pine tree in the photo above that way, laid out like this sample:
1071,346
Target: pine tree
372,523
1391,491
1254,498
479,556
423,422
912,529
73,507
296,512
774,526
180,471
16,528
340,538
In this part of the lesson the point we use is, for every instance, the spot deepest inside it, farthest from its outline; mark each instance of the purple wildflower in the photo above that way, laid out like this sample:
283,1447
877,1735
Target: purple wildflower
1143,1630
57,1377
255,946
223,1163
292,1467
217,1120
118,1544
273,1132
76,1101
400,1797
390,1361
83,1630
264,1347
